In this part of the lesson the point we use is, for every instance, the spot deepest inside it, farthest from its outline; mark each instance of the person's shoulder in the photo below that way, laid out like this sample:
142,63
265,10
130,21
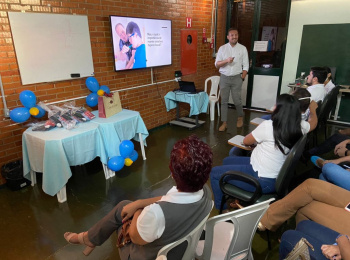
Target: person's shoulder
266,123
241,45
223,46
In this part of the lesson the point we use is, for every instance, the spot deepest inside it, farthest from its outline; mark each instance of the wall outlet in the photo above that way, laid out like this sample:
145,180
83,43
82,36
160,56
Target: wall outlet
209,40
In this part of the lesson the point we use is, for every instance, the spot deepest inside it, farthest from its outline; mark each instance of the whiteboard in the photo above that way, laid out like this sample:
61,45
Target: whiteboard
51,47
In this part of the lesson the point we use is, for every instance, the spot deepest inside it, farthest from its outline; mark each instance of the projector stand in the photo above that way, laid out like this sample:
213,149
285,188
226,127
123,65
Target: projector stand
190,123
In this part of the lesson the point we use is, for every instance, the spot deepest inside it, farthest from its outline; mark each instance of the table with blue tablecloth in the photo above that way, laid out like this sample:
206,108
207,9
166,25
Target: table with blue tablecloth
198,104
53,152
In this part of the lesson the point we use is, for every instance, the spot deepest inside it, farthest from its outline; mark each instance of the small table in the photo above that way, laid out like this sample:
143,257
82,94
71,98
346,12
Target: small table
54,151
198,104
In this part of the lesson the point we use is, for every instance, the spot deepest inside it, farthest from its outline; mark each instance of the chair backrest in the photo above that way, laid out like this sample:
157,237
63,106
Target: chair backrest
287,170
328,104
214,90
192,240
230,235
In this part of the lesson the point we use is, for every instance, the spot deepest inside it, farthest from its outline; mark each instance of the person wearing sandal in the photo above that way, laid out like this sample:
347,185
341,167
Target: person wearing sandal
162,220
273,138
334,173
315,200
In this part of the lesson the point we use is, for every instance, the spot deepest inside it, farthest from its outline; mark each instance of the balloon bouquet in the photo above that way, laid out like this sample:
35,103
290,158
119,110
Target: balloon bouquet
127,156
22,114
93,85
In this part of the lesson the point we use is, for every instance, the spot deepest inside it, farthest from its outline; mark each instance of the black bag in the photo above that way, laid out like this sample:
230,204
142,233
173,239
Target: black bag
13,173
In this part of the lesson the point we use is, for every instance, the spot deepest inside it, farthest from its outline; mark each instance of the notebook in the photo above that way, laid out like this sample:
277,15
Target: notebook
238,142
188,86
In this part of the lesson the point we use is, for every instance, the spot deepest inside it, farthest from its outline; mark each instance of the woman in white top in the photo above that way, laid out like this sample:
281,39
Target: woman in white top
273,139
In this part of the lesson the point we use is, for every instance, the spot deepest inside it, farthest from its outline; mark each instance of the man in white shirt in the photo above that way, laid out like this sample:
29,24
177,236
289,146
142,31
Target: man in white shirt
233,64
316,79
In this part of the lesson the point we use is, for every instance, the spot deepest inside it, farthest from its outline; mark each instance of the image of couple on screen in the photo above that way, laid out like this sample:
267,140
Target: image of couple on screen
131,53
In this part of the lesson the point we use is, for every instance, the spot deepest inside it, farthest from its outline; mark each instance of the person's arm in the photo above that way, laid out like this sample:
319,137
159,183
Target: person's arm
130,64
344,246
133,232
245,64
339,160
342,146
224,62
249,140
342,152
313,116
331,251
244,74
130,209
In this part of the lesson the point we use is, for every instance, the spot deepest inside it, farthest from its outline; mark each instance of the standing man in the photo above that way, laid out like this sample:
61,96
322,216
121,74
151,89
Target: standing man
233,64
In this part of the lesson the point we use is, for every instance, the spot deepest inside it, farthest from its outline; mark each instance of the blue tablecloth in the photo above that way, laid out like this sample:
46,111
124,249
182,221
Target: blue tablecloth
52,152
198,102
125,125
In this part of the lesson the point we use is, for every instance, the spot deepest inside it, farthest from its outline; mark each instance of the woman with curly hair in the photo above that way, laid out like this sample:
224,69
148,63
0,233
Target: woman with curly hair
162,220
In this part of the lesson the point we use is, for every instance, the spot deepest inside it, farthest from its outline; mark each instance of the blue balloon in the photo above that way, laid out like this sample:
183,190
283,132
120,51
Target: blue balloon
92,100
116,163
92,84
20,114
27,98
105,89
42,112
133,156
125,148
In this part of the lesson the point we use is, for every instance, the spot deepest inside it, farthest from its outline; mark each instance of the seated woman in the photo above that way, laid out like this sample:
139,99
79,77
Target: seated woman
321,239
159,221
314,200
334,173
274,139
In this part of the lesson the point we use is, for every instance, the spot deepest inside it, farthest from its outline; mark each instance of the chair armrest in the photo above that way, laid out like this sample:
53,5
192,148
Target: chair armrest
236,192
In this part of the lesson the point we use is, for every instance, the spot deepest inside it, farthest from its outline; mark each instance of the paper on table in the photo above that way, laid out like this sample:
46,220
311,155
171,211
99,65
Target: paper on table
257,121
238,142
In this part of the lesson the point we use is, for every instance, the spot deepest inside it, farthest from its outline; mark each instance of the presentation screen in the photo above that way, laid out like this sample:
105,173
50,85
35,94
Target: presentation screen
140,43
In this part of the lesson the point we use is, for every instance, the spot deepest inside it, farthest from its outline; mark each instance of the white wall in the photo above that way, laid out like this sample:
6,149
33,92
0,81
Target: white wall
309,12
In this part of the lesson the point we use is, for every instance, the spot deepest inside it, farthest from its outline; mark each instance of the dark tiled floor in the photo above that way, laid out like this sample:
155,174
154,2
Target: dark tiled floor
32,223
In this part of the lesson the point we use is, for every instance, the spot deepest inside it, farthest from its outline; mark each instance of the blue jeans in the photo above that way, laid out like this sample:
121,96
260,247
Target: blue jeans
235,151
266,117
335,174
314,233
241,164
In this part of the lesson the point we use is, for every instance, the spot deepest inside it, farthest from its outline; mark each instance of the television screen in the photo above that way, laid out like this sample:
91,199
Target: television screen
140,42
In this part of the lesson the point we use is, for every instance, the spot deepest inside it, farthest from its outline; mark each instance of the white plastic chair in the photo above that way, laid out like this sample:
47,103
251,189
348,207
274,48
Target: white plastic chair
192,240
214,95
226,240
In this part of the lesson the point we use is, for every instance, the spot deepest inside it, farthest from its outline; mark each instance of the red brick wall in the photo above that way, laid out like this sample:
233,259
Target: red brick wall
147,100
